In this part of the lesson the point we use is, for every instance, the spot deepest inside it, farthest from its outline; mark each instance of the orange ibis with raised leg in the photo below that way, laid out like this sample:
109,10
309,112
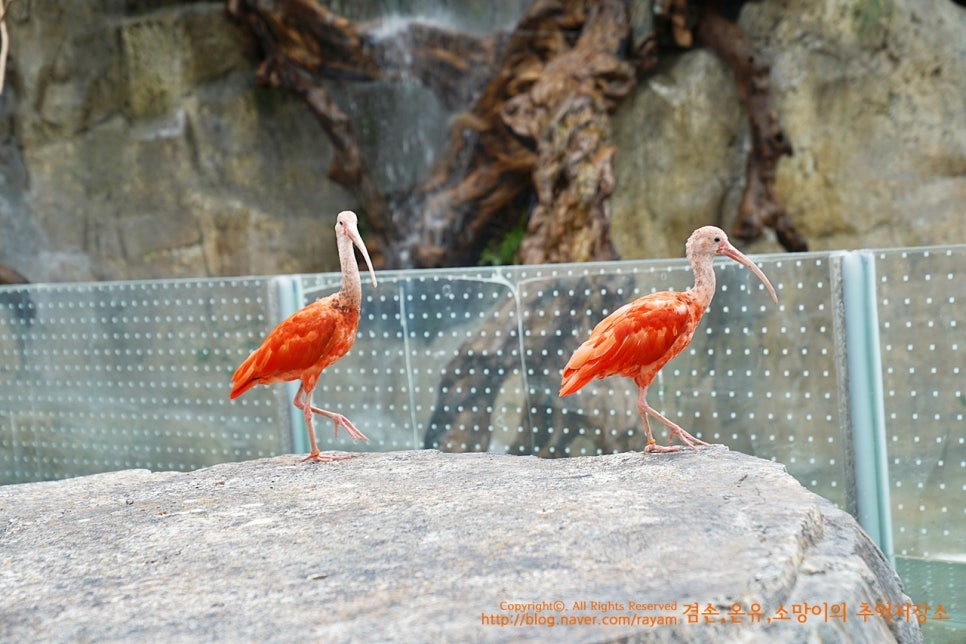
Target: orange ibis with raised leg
313,338
639,338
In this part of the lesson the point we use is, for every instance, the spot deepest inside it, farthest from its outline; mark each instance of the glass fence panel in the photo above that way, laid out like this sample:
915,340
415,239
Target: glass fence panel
370,385
460,360
109,376
437,364
922,320
561,306
757,377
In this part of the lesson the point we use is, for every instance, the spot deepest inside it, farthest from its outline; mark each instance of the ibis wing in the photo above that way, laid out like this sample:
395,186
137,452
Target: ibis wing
313,337
631,338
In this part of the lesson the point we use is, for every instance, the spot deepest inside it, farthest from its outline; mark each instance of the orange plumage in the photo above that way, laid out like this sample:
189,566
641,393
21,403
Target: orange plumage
635,341
638,339
313,338
301,347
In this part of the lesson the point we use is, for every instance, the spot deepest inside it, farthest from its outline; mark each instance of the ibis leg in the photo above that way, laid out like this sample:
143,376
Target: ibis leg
341,421
675,430
303,401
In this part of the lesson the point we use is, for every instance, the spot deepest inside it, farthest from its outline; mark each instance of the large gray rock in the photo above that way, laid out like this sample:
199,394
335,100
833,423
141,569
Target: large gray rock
871,96
425,546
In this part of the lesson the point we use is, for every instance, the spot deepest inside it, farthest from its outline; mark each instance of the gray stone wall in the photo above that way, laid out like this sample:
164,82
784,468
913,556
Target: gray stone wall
871,96
135,144
140,147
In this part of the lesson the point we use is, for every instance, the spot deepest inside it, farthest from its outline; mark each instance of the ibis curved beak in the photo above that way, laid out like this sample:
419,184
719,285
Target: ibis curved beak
352,230
728,250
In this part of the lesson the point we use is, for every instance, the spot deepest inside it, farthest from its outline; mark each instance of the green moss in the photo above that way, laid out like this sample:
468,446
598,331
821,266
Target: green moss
502,251
871,16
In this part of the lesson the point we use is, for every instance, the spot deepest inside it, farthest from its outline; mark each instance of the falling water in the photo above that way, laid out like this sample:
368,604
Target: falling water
402,127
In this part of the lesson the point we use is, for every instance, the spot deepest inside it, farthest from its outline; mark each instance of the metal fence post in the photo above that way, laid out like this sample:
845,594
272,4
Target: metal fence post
290,296
866,399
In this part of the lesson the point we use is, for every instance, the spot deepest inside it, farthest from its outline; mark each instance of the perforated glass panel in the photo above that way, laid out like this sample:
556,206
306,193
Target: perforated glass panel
436,364
757,377
460,360
470,360
922,319
98,377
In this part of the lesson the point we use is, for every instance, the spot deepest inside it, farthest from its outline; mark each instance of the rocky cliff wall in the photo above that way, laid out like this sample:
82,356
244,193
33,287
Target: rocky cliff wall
871,96
138,146
135,144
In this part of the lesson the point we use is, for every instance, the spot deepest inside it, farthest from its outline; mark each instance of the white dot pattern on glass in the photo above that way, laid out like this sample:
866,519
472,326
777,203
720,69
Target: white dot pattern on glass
922,327
110,376
758,377
463,360
420,373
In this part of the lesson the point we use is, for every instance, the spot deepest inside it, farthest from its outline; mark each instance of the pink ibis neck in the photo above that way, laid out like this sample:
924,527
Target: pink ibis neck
351,280
702,265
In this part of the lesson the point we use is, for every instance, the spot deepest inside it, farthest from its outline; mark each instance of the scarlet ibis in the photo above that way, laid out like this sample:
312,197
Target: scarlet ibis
313,338
639,338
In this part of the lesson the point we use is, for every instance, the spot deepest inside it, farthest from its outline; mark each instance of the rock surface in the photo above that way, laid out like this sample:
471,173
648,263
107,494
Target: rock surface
870,94
140,147
425,546
134,142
